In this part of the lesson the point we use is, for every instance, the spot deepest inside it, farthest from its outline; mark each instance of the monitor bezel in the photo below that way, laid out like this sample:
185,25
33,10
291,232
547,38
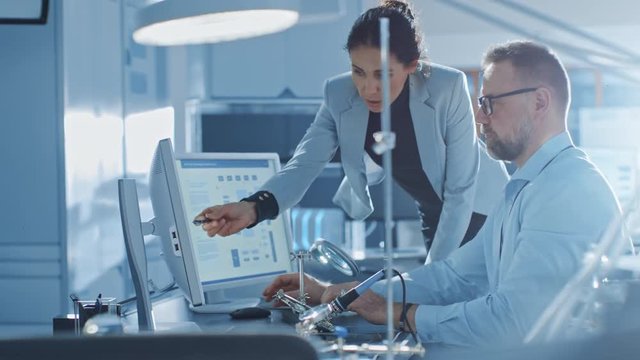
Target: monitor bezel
194,292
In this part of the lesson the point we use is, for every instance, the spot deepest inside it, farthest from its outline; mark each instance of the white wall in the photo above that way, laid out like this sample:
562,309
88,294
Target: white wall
94,111
113,92
33,283
299,59
458,35
71,90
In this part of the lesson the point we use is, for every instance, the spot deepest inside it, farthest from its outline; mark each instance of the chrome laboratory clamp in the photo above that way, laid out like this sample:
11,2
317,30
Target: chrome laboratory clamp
299,308
346,351
314,319
300,257
401,348
324,252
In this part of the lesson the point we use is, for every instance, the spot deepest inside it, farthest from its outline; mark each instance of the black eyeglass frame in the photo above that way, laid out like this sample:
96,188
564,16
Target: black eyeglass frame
485,102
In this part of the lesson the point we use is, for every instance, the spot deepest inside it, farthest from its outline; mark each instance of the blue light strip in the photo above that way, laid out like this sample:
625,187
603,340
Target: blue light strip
273,247
243,277
223,163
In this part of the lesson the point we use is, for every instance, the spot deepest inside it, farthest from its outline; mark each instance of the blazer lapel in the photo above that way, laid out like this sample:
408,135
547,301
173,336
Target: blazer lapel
353,127
352,130
425,127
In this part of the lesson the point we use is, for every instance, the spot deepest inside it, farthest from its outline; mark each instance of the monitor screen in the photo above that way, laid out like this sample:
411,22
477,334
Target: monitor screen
183,186
259,252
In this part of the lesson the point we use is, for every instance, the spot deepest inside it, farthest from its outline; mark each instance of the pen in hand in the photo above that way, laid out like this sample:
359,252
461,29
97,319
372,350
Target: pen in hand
200,221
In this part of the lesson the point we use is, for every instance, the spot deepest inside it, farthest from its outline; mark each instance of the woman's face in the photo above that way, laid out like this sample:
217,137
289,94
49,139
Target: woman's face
366,72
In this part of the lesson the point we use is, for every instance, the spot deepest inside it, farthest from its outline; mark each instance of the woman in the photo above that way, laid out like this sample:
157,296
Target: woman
437,153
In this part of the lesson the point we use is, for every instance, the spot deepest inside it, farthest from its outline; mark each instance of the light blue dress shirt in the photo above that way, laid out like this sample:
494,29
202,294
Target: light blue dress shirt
492,290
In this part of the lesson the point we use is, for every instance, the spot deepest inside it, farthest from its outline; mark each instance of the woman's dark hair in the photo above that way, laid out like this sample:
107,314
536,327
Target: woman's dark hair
404,37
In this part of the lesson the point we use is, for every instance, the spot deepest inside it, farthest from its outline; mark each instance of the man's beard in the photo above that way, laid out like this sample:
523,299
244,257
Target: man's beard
508,149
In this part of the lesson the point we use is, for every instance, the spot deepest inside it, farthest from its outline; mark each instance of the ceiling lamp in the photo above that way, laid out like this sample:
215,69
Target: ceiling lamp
191,22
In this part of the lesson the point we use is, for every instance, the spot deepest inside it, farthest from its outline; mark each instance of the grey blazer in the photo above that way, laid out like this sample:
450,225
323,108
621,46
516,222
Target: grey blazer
450,152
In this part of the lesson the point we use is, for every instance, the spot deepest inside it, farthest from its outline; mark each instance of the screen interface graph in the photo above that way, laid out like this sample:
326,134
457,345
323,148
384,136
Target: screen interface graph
257,252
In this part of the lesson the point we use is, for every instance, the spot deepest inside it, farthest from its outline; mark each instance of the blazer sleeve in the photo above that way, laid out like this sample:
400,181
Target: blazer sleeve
461,169
314,151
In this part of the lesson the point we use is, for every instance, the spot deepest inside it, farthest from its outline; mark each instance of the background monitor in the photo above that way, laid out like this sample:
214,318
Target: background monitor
181,187
620,167
220,125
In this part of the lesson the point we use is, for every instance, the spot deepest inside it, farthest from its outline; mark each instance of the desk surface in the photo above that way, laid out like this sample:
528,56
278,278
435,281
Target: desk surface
172,309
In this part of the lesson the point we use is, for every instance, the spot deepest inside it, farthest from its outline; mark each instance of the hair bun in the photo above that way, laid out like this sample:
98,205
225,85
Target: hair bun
401,6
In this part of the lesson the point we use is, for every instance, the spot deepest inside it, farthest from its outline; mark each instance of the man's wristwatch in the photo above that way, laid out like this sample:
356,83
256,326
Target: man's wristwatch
403,323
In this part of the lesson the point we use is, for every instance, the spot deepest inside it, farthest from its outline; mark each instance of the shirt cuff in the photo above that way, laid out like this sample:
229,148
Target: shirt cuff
266,206
426,319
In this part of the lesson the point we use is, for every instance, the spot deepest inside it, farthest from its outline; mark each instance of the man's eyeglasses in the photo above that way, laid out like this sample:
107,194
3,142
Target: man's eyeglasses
485,102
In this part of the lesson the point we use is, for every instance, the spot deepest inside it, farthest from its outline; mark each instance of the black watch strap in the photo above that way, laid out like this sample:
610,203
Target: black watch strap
402,325
266,206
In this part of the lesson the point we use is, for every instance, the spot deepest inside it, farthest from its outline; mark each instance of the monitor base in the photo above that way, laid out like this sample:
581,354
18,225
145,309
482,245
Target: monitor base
178,327
226,306
181,327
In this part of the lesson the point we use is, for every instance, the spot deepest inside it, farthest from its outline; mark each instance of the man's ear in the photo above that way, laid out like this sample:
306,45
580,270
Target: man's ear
543,101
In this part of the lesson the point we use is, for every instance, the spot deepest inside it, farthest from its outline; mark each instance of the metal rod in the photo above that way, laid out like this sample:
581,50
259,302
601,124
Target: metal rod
300,256
387,165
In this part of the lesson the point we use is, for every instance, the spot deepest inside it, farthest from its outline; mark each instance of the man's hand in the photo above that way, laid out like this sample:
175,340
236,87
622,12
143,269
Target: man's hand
290,283
227,219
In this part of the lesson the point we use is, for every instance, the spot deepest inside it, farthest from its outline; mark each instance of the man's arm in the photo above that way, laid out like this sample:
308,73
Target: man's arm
543,264
460,277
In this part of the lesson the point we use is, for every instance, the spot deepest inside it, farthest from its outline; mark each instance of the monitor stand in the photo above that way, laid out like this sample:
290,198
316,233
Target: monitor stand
134,231
218,303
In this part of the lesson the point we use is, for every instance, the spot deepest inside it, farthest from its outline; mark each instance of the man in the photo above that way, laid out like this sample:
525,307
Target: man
555,207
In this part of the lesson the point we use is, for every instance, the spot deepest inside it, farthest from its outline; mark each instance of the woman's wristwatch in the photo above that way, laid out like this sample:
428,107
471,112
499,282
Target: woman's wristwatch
266,206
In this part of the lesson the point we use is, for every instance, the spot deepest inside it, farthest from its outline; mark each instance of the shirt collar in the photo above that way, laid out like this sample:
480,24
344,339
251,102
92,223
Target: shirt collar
550,149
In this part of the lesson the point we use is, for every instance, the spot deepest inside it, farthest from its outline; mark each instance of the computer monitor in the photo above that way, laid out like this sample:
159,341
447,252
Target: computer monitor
182,186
